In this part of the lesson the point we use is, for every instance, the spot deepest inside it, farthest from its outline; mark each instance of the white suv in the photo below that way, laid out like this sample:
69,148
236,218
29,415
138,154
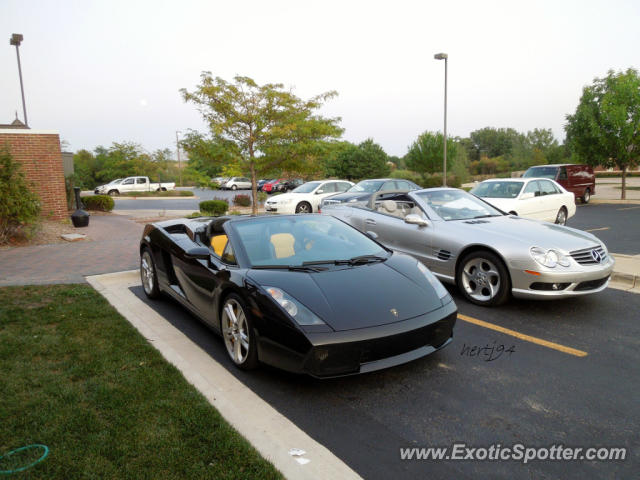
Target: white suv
237,183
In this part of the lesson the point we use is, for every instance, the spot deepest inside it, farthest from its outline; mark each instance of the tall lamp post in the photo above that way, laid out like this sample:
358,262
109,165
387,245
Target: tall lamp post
179,161
16,39
444,56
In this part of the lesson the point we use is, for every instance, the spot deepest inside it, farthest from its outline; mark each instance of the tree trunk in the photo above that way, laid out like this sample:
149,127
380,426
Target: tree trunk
623,190
254,191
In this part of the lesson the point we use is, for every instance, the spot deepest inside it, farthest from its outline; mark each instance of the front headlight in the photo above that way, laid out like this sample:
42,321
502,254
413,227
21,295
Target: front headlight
435,283
353,200
301,314
549,258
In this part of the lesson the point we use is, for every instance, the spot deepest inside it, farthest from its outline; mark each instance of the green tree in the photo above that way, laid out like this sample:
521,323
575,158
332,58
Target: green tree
19,205
264,126
366,160
605,129
206,155
426,154
493,142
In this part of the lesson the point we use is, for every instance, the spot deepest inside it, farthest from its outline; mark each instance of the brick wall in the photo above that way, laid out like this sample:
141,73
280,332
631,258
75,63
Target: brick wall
41,159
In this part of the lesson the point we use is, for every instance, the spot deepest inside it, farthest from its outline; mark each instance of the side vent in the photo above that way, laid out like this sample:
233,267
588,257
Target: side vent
474,222
444,255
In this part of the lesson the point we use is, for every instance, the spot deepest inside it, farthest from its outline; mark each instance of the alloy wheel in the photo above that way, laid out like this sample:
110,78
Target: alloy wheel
147,273
481,279
235,331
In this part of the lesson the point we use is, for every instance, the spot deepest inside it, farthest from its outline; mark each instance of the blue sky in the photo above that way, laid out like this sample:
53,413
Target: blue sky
104,71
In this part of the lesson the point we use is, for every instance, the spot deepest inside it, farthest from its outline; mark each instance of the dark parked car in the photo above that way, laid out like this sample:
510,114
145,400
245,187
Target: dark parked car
362,191
577,179
286,185
305,293
270,186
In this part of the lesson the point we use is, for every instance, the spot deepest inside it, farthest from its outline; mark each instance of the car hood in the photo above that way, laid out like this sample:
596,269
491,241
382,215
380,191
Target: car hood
348,298
283,197
524,231
345,197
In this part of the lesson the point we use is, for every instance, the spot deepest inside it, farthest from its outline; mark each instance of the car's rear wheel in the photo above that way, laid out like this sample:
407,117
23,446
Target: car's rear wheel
148,274
303,207
234,187
114,193
586,196
237,333
483,279
561,218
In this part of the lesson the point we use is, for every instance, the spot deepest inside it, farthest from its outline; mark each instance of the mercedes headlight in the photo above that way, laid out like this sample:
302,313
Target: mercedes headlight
301,314
549,257
353,200
435,283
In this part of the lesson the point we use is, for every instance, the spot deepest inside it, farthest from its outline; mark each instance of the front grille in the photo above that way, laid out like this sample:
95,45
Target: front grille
591,284
588,256
444,255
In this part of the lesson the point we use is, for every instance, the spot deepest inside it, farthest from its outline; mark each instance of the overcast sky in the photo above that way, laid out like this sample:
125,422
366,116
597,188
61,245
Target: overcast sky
104,71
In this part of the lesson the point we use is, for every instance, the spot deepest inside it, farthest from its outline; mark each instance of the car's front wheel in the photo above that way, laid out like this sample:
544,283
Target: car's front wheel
234,187
483,279
148,274
238,334
561,218
303,207
114,193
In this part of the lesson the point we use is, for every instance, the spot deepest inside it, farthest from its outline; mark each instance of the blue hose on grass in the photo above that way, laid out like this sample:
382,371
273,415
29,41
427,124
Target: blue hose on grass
16,470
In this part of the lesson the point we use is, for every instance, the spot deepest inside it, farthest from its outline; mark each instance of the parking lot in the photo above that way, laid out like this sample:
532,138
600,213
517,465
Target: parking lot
550,373
572,378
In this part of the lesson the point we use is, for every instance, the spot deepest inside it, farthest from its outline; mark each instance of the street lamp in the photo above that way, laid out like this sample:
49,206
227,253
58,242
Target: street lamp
16,39
179,161
444,56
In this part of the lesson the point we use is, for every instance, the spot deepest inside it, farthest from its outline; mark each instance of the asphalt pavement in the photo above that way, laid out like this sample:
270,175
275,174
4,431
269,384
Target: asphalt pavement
176,203
617,225
536,396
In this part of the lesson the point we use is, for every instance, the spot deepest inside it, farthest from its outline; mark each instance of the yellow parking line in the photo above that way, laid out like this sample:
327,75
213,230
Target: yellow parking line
628,208
597,229
522,336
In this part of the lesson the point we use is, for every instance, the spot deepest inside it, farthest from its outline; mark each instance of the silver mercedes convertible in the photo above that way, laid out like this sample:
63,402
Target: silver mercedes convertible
486,252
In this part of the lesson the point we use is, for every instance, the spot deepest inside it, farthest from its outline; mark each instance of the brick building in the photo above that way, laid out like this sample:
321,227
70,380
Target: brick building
39,153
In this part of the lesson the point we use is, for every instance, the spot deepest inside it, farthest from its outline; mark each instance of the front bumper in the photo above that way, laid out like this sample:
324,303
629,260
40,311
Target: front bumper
369,349
583,280
279,208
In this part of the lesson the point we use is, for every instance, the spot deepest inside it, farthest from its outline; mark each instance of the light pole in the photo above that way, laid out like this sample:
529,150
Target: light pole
16,39
179,161
444,56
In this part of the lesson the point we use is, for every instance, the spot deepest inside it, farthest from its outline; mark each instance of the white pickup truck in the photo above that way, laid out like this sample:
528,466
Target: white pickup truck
132,184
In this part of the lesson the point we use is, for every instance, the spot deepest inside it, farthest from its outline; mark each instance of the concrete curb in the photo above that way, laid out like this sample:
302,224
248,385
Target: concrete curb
270,432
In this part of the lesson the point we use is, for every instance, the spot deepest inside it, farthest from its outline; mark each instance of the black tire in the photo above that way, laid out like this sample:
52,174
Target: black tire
114,193
234,187
164,189
148,274
586,196
231,334
483,261
304,207
561,218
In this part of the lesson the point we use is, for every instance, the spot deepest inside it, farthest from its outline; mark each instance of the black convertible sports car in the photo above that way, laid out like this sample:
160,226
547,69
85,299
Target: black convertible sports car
305,293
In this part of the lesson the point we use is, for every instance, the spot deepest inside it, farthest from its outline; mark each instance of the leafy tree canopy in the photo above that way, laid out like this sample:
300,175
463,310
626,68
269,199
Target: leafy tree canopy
426,154
263,126
605,129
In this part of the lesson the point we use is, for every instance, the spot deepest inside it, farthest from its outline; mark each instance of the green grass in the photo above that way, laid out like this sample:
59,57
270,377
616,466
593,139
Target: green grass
77,377
628,188
168,193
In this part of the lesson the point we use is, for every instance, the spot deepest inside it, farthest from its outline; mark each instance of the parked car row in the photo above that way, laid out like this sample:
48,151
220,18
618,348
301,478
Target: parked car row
132,184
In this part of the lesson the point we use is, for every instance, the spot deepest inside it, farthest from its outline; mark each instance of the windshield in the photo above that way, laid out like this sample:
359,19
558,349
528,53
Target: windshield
116,181
506,189
306,188
294,240
457,205
541,172
367,186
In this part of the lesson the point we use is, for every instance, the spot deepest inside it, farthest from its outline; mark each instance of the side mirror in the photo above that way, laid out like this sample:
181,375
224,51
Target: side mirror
526,196
318,192
414,219
371,235
198,253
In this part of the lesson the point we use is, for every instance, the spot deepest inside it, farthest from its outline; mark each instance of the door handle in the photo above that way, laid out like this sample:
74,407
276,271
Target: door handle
370,221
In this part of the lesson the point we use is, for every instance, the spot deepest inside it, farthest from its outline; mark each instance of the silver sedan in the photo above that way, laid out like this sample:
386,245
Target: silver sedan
487,253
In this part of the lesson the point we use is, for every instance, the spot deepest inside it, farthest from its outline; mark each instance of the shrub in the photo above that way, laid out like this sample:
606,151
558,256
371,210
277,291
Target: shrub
407,175
242,200
435,180
214,207
214,185
103,203
19,206
262,197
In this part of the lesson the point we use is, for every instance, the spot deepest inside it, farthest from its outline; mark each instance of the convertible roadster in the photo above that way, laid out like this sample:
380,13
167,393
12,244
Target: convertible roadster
305,293
489,254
